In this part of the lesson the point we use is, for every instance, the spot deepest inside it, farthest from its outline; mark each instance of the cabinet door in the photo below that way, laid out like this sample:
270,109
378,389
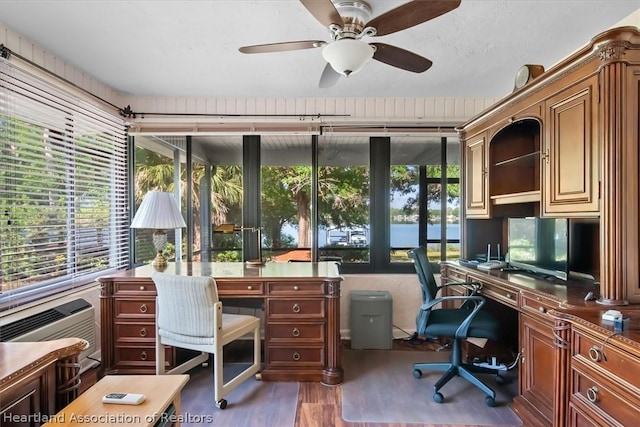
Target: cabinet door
570,158
476,177
537,371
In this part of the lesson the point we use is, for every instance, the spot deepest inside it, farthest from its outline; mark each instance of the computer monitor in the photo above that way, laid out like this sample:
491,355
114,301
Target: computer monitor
540,245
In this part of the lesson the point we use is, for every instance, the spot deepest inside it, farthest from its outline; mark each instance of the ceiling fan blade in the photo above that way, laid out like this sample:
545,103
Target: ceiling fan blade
282,47
329,77
324,11
400,58
410,14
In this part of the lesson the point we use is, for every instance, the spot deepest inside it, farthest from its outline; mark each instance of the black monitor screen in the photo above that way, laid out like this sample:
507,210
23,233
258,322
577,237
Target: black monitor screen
540,245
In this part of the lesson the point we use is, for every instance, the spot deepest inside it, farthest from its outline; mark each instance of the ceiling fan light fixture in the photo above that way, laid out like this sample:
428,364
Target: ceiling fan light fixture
347,56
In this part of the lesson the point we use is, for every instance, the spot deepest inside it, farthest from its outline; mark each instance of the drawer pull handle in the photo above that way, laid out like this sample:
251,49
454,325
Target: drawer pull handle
143,355
249,288
592,394
541,309
295,332
142,288
594,354
143,308
296,308
296,356
508,295
143,332
295,288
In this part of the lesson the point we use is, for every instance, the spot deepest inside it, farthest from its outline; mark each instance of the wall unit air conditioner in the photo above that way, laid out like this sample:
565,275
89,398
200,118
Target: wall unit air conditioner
75,318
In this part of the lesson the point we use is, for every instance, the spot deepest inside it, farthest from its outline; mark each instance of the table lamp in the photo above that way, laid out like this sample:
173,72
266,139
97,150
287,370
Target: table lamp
159,212
232,228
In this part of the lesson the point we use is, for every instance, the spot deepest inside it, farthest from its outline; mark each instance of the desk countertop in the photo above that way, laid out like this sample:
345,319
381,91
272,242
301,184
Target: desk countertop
224,270
571,303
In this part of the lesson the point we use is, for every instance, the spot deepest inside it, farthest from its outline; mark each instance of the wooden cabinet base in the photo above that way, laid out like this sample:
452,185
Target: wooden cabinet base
529,415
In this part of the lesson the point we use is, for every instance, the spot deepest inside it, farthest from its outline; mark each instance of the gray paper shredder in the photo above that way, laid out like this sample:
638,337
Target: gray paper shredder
371,320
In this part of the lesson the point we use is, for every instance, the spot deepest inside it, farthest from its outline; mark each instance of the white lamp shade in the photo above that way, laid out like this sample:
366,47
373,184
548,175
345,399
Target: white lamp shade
158,211
347,56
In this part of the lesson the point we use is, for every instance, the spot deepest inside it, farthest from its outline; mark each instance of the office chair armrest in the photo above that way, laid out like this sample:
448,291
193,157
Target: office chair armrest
478,302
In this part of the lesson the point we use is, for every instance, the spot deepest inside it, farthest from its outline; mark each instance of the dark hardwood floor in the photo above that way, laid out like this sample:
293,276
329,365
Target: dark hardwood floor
321,406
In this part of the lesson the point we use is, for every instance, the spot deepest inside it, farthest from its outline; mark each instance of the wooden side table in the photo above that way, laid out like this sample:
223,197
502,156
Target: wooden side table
161,405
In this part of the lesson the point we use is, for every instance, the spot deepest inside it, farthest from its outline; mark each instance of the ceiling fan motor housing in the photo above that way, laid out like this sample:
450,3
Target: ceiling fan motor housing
355,14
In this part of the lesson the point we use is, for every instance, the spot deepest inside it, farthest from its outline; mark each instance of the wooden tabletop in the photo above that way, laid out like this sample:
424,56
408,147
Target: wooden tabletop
18,359
238,270
88,409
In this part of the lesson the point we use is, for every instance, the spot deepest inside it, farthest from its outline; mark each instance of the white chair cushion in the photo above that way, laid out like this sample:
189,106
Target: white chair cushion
230,324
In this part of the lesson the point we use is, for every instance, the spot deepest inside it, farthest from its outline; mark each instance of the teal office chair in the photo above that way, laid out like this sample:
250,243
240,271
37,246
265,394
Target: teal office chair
468,321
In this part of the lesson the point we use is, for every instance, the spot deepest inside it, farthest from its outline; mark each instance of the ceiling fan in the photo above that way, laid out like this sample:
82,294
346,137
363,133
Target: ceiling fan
348,22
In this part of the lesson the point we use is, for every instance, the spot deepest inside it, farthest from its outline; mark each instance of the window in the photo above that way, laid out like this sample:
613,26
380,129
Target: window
285,183
154,169
362,200
425,185
343,199
63,190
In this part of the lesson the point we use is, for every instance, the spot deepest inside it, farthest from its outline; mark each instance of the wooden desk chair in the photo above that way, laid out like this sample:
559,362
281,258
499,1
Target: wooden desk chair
189,315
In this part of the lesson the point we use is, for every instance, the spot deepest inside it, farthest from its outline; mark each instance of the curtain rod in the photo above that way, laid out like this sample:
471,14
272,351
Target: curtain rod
7,53
127,112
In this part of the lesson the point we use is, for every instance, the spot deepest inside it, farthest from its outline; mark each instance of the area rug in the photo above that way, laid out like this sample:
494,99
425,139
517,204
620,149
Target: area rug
379,387
252,404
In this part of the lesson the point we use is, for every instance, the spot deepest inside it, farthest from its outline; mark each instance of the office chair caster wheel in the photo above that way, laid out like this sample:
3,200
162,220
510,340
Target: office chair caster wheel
222,403
417,373
438,397
500,379
490,401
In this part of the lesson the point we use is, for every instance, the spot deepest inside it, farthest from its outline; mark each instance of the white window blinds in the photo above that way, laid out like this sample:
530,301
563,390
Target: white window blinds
63,189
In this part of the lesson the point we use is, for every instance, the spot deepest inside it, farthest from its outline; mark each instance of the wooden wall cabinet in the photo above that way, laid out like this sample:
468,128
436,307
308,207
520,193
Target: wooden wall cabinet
570,154
476,174
588,165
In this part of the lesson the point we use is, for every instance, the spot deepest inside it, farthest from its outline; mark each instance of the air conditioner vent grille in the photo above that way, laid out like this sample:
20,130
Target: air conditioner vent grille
20,327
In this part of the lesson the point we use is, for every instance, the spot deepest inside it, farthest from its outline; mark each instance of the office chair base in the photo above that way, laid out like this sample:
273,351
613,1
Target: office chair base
464,371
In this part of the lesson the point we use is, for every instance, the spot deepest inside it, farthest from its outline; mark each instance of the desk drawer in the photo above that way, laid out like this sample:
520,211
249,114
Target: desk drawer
293,332
592,352
295,288
499,293
604,398
135,308
135,332
141,356
453,275
134,288
239,288
295,356
536,303
295,308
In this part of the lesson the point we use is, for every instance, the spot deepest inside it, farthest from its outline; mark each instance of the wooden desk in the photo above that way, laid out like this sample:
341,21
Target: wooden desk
301,325
161,391
37,378
564,380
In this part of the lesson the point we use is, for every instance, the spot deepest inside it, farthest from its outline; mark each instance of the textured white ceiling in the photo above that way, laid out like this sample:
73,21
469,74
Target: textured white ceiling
190,47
